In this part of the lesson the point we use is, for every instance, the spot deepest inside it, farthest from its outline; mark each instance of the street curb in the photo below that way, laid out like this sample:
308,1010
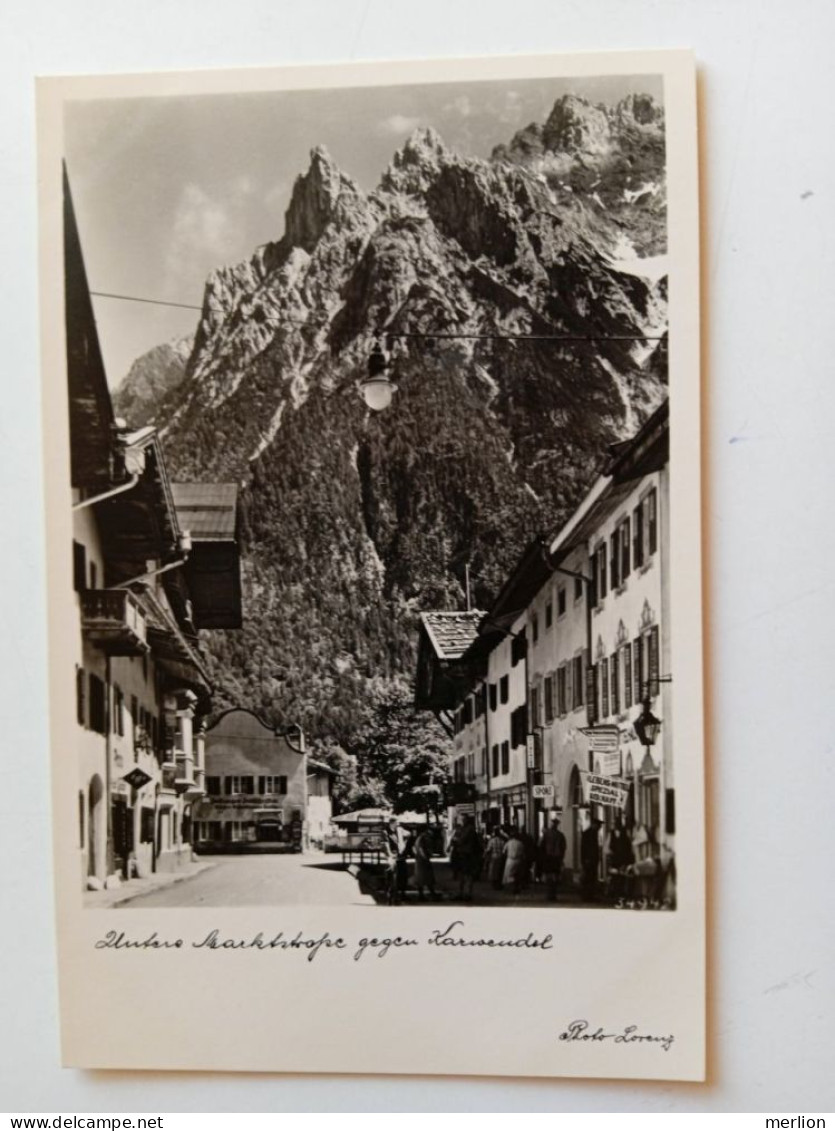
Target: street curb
176,878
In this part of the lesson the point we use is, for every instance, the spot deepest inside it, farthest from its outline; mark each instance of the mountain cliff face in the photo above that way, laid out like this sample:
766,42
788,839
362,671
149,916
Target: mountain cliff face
355,522
153,376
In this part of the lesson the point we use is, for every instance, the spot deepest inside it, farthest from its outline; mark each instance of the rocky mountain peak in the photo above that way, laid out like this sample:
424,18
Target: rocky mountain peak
315,200
576,126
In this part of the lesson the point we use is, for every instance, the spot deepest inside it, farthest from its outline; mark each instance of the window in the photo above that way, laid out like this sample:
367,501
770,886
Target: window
627,675
561,601
213,786
614,673
134,717
80,705
478,700
577,683
600,573
79,567
548,688
247,784
535,706
118,711
505,757
94,577
651,509
604,688
231,785
98,705
271,785
470,767
485,770
518,647
562,689
504,689
535,627
493,696
625,556
549,614
468,711
496,761
638,536
578,588
593,596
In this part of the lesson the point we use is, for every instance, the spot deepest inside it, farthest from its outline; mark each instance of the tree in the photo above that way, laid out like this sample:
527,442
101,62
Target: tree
398,751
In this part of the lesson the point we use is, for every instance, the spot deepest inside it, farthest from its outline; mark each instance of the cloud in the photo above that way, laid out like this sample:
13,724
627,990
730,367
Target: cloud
206,231
399,124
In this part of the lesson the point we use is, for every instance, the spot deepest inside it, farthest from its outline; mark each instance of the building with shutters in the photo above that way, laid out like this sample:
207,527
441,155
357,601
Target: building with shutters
140,589
576,642
262,791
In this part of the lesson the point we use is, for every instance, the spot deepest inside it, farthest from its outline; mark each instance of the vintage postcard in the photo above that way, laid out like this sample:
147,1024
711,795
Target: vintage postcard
371,428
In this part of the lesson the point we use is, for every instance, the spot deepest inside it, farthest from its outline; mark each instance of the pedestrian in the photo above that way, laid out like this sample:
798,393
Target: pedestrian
424,872
590,859
552,847
530,856
621,856
465,850
514,862
494,858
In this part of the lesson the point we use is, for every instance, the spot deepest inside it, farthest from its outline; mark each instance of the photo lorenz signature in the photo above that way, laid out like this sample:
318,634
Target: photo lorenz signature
629,1035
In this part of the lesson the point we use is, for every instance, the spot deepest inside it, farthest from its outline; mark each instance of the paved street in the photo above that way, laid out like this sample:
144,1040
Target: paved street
262,880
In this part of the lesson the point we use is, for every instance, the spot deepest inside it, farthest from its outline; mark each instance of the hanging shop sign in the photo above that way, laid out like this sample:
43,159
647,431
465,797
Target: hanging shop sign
603,739
543,792
610,763
137,777
530,749
606,791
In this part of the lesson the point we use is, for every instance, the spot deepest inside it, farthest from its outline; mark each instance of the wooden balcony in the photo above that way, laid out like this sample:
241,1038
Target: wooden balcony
113,619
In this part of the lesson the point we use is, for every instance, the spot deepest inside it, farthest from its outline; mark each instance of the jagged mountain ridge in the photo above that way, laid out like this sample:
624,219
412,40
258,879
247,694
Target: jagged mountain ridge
152,377
354,523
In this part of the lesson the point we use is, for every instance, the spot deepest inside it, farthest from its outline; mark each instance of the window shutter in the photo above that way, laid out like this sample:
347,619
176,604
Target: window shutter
604,688
568,687
636,668
614,672
638,536
592,588
591,693
79,567
614,569
80,711
627,675
493,697
653,672
625,564
601,560
652,520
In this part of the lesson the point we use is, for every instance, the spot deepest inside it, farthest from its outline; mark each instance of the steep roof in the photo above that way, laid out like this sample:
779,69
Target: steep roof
206,510
451,633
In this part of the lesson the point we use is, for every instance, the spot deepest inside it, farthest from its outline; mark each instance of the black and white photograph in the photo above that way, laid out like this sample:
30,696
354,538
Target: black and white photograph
369,435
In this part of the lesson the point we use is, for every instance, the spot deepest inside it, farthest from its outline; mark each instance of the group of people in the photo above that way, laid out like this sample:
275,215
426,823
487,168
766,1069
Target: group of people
511,859
508,857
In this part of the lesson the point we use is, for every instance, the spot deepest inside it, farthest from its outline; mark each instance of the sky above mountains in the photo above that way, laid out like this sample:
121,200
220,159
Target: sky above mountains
167,189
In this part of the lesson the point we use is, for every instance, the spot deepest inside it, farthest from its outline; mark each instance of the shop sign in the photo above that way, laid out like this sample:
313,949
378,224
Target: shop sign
467,809
603,739
606,791
543,792
137,777
610,764
530,746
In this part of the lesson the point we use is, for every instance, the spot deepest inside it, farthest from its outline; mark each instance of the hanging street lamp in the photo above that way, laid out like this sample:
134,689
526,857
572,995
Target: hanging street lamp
377,390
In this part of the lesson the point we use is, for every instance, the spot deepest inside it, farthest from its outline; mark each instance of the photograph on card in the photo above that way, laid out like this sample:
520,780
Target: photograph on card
370,469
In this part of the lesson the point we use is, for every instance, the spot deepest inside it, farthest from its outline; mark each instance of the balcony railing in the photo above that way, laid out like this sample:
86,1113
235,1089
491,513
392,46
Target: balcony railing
114,619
